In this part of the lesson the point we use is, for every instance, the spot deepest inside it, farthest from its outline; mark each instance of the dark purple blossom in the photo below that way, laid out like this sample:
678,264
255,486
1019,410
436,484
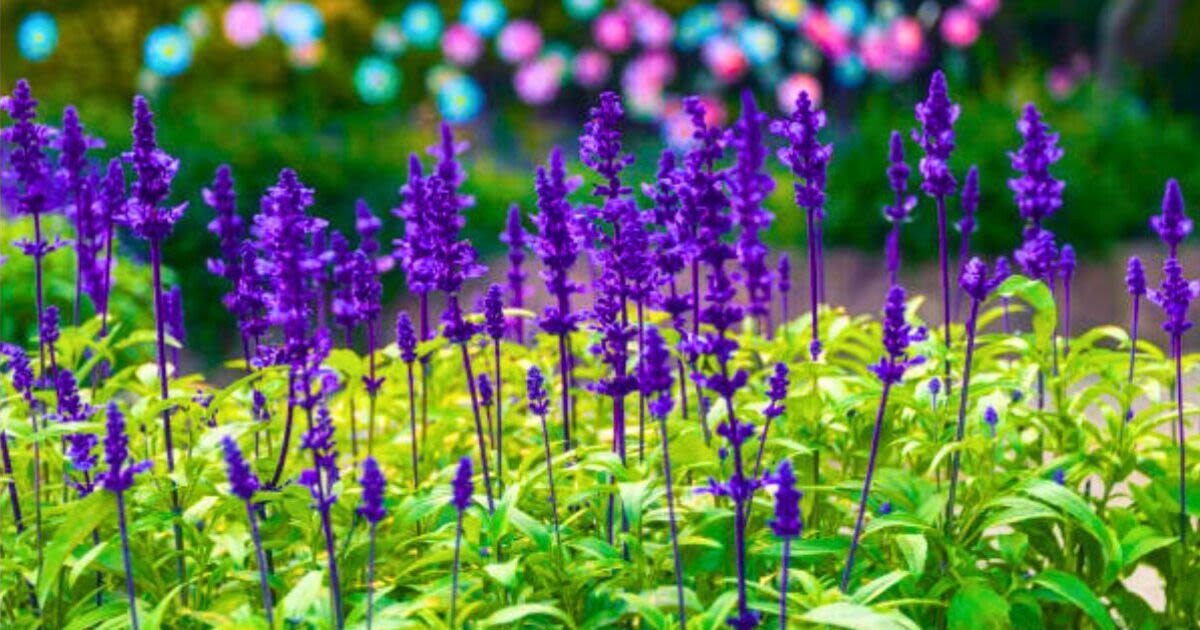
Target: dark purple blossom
155,171
1037,193
406,338
1038,254
787,522
936,114
462,487
413,249
977,282
897,335
749,186
535,386
226,225
243,483
119,475
555,243
321,478
1173,225
515,237
485,390
493,312
991,419
26,142
600,145
1174,296
368,225
373,487
1135,277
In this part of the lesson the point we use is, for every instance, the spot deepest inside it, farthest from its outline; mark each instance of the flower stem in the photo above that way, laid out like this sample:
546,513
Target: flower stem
335,588
662,425
12,483
866,490
550,479
164,391
813,284
483,458
412,424
962,415
1177,347
564,374
287,431
498,442
944,264
371,579
454,575
263,578
783,582
133,618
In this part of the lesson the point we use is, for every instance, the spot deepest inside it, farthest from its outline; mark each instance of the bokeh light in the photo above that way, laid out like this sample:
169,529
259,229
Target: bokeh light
759,40
168,50
520,40
244,23
196,22
422,24
307,56
459,99
537,82
724,59
787,91
388,38
37,37
583,9
698,24
485,17
591,68
376,80
461,45
849,15
298,23
959,27
613,31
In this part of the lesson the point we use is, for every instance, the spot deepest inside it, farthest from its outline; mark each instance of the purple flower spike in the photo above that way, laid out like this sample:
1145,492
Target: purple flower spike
897,335
243,483
991,419
1174,296
1173,225
516,238
977,282
600,145
485,390
535,385
227,226
1038,255
119,476
493,312
368,225
787,522
48,328
808,159
749,186
897,173
1038,194
937,114
27,155
1135,277
373,487
783,275
155,171
462,486
406,338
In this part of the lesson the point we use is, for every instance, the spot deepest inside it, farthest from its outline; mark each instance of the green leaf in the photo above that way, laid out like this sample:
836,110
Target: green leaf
977,607
87,515
857,617
1140,541
505,573
512,614
1073,590
871,591
915,549
1079,511
303,595
1039,297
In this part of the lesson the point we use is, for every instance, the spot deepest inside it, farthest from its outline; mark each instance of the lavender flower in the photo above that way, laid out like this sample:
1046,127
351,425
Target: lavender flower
1038,255
897,335
786,525
1135,283
1059,476
110,204
172,305
493,311
34,192
976,282
900,210
406,341
495,325
243,483
226,225
117,479
991,419
808,159
1038,194
937,114
485,390
749,185
783,275
462,488
539,404
1173,225
600,145
776,395
79,188
516,238
368,225
373,486
320,480
155,171
556,246
966,225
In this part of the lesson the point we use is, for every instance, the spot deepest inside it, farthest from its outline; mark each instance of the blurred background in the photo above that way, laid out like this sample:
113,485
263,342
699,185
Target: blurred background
343,90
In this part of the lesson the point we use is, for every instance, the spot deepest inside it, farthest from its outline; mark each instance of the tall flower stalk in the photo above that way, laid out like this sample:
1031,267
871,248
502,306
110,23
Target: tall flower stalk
776,394
1066,272
152,222
406,341
966,226
461,489
976,282
80,185
117,479
371,509
936,115
1174,296
34,193
900,210
783,275
1135,284
897,335
494,325
808,160
557,247
787,525
539,405
368,295
320,480
749,186
243,483
517,240
23,380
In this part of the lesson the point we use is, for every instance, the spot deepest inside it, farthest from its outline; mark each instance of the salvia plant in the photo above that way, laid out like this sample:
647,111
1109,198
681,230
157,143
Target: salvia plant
991,466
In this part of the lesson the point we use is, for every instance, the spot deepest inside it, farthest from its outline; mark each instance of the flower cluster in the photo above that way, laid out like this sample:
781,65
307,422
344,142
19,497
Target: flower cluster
373,486
243,483
936,114
1038,194
897,335
119,475
155,170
